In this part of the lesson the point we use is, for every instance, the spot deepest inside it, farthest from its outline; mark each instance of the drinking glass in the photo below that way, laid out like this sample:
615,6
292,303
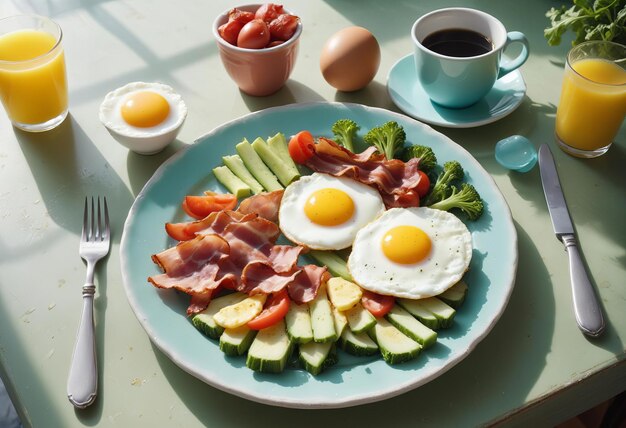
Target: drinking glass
593,98
33,83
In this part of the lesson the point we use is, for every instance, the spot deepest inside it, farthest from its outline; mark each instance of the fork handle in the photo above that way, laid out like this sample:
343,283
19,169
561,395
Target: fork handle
82,382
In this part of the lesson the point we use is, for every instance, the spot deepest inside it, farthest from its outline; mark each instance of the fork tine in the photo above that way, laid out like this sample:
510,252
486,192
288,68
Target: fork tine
98,236
83,236
92,231
106,220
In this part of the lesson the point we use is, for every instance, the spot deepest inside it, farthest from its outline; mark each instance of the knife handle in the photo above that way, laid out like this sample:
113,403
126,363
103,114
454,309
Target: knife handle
586,306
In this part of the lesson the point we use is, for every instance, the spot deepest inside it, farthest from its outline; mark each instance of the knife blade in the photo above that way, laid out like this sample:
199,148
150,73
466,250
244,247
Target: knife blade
586,305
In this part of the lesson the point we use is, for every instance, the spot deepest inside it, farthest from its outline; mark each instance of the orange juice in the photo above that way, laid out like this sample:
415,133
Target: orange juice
592,107
33,86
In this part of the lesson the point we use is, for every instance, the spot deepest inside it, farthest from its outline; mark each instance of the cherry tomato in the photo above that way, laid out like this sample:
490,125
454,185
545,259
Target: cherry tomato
240,16
201,206
275,309
178,231
283,27
377,304
301,147
230,31
424,184
269,11
254,35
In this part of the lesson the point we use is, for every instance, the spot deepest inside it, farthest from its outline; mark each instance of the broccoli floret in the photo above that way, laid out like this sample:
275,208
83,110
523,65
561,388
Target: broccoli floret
452,171
388,138
425,154
465,199
345,132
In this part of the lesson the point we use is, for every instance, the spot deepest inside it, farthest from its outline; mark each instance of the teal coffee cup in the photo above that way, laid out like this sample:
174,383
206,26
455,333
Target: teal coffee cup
458,54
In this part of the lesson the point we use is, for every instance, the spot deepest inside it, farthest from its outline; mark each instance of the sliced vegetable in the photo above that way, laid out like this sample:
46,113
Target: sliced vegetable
343,294
322,320
359,344
178,231
234,185
285,172
236,341
377,304
240,313
274,310
257,168
394,345
270,349
315,357
204,321
201,206
455,295
409,325
360,319
237,167
298,322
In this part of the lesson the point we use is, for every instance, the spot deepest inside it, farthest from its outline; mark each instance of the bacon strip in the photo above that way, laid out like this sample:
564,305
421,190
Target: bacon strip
395,180
266,205
235,250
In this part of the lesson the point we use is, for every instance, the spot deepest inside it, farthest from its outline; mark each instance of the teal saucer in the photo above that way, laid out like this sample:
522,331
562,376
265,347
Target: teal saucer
408,94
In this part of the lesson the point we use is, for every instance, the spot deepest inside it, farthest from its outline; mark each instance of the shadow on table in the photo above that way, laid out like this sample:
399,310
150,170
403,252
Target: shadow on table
67,167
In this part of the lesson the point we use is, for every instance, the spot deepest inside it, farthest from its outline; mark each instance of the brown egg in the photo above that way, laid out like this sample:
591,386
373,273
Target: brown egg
350,59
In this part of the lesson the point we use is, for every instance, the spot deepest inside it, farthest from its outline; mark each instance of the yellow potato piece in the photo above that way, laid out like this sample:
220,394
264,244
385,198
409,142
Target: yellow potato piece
343,294
236,315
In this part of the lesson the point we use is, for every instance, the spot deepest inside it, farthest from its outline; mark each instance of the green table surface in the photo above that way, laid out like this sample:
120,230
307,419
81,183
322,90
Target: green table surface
535,365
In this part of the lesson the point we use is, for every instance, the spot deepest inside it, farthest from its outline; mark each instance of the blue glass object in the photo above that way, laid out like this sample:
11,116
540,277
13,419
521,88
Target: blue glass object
516,153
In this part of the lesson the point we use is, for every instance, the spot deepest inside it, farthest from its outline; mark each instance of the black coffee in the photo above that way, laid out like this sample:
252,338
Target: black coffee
458,42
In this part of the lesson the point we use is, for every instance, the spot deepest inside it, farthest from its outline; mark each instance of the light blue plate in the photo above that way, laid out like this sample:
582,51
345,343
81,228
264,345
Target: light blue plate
353,380
408,94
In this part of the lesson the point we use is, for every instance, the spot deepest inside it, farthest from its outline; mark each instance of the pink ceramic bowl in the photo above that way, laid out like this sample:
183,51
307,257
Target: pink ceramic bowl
257,72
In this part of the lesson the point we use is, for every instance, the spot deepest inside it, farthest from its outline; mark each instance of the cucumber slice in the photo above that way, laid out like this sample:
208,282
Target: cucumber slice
315,357
235,164
204,321
278,144
232,182
322,321
298,322
257,168
357,344
281,170
416,309
360,319
341,321
236,341
455,295
394,346
410,326
270,349
335,264
444,313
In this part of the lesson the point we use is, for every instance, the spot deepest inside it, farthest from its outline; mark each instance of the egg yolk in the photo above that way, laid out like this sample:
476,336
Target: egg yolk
145,109
329,207
406,244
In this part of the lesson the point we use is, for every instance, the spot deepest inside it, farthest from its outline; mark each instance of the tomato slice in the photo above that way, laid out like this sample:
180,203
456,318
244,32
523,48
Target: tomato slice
178,231
377,304
199,207
424,184
275,309
301,146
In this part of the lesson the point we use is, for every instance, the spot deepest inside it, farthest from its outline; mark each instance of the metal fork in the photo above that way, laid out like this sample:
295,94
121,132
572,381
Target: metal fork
82,382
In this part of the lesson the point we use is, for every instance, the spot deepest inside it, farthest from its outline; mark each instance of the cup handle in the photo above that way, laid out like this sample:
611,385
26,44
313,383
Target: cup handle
514,36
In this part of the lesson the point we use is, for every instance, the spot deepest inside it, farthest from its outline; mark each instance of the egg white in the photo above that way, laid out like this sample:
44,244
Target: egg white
298,228
448,260
111,115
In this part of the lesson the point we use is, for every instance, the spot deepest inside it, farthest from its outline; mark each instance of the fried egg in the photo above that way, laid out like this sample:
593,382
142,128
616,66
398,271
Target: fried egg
411,252
141,109
323,212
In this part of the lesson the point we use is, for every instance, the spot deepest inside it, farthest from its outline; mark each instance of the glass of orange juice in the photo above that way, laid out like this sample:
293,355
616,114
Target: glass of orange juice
593,98
33,83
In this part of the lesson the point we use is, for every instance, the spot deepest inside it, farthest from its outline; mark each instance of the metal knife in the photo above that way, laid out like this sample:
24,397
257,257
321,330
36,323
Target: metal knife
586,306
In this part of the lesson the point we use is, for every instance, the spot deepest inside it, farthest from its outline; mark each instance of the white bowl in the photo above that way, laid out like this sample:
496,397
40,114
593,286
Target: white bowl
145,141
